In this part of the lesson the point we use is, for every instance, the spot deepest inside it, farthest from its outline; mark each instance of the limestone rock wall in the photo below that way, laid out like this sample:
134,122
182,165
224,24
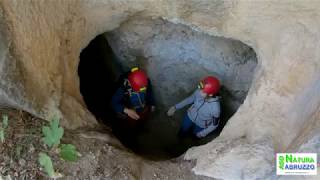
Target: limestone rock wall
41,41
177,57
41,50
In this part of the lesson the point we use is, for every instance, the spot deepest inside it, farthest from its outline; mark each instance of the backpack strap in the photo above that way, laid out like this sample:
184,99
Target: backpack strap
215,121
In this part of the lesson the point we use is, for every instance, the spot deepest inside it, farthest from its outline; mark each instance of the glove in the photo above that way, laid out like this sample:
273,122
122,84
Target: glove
153,108
131,113
201,134
171,111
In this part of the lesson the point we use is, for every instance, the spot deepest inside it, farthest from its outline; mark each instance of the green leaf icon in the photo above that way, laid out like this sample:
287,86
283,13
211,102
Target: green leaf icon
46,163
68,152
281,162
52,134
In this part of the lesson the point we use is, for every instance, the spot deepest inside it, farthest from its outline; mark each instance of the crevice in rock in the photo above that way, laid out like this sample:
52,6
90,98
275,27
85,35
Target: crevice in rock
175,58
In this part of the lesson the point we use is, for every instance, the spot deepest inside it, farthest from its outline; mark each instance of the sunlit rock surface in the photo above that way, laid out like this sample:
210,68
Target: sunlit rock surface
41,42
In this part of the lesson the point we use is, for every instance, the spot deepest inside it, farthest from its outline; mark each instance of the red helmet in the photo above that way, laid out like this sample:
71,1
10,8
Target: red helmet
210,85
138,80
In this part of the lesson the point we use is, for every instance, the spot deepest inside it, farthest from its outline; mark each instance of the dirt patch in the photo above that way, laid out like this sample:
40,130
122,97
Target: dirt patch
19,152
102,155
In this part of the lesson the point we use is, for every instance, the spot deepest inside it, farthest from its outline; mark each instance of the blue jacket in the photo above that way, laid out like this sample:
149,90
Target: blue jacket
203,112
126,97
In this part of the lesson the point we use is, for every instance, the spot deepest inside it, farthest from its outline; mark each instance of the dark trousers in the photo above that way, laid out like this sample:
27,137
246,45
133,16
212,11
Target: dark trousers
127,129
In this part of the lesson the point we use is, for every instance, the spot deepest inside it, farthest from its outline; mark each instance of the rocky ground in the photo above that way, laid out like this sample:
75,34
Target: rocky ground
21,146
102,155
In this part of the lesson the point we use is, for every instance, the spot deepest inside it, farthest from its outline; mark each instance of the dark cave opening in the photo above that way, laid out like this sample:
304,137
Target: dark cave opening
99,69
97,76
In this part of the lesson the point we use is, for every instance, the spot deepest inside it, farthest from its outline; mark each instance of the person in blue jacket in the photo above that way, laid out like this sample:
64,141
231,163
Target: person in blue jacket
133,100
204,114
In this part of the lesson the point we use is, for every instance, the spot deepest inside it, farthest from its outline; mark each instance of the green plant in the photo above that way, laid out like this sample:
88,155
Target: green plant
52,136
46,163
3,126
1,135
68,152
5,121
53,133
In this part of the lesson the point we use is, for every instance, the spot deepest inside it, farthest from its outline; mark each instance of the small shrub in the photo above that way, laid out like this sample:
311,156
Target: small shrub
52,136
53,133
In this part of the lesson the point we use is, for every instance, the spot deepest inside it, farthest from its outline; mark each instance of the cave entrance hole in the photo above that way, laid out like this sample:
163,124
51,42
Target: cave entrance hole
175,58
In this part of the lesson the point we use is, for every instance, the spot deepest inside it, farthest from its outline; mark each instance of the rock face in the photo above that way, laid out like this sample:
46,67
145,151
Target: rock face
41,42
177,57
